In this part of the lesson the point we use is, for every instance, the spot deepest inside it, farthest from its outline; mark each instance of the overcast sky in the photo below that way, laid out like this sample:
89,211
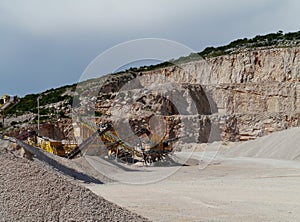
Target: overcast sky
48,43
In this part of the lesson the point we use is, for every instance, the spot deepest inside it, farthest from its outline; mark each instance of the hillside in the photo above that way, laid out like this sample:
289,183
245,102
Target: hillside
241,91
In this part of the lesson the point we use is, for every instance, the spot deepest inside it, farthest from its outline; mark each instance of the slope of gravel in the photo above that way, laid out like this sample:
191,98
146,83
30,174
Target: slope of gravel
31,192
77,168
284,145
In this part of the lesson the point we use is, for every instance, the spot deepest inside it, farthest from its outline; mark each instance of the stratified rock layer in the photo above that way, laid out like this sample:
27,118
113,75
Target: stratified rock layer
233,97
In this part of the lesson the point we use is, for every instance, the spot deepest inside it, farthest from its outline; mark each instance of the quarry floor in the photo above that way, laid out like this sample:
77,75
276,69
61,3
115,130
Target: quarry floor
250,181
228,185
243,189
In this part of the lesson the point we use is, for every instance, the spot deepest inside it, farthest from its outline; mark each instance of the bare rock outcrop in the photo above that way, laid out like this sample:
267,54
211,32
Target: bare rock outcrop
240,96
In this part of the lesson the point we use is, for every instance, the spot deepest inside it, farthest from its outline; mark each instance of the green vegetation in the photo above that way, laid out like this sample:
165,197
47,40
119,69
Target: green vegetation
29,102
272,39
98,113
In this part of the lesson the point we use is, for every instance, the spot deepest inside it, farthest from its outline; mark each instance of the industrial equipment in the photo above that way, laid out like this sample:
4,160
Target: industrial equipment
148,152
57,147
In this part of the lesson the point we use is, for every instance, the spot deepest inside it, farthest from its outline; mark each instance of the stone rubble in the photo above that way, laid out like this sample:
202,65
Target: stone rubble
31,191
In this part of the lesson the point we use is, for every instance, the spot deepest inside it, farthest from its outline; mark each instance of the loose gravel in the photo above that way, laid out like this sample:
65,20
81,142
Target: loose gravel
31,191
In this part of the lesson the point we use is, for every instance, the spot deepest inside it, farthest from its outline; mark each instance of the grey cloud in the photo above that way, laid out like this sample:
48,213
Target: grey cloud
53,41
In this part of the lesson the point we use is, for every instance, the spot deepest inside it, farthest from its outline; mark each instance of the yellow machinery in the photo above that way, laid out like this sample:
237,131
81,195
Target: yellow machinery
155,149
53,146
118,147
69,147
152,148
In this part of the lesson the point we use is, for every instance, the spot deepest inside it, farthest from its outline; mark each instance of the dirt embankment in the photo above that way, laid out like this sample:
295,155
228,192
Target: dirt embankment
32,191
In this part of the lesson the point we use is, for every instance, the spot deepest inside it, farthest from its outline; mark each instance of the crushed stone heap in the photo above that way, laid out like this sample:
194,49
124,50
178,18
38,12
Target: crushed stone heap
31,191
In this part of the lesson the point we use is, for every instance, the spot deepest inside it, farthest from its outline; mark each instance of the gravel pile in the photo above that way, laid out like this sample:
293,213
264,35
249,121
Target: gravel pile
283,145
31,191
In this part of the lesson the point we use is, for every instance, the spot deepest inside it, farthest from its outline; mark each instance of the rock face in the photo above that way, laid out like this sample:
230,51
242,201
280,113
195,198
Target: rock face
255,66
233,97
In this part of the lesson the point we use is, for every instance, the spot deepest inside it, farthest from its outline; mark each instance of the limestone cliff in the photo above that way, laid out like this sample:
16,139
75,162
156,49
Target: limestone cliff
239,96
